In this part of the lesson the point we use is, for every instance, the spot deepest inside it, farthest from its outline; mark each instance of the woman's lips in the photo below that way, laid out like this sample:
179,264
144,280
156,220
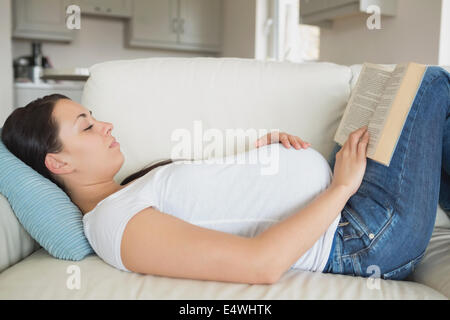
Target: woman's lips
114,144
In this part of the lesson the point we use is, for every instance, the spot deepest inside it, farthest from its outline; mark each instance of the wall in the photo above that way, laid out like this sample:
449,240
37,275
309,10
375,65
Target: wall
239,28
6,76
412,35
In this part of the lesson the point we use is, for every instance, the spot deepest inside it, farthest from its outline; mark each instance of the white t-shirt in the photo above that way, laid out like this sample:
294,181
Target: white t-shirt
239,196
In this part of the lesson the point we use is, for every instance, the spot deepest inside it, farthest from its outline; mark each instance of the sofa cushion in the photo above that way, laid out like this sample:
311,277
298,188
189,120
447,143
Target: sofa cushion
92,278
161,96
43,209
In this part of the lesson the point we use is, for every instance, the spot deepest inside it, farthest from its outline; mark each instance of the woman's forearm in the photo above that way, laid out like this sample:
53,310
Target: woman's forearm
284,243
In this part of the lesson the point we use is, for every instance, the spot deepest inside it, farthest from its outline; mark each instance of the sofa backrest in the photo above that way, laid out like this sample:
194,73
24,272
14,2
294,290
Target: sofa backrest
148,100
356,70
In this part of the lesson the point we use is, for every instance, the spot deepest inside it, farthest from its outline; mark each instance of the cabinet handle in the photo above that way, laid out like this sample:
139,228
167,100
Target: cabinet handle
174,24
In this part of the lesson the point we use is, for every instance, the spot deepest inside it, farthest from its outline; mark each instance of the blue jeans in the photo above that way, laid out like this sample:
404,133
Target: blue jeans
386,225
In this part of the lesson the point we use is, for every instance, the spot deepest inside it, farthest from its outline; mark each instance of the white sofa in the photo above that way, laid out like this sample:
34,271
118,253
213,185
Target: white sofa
146,100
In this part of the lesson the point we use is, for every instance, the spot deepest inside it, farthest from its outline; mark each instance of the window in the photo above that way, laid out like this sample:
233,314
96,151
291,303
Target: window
288,40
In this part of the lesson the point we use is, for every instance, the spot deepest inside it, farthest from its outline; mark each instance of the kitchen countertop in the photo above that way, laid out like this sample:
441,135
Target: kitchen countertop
74,85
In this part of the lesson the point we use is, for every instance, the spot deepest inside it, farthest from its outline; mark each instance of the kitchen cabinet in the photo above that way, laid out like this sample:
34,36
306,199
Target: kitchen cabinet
192,25
153,24
41,20
108,8
323,12
200,23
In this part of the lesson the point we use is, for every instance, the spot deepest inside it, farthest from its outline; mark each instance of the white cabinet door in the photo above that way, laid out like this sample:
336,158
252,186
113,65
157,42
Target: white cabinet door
153,24
112,8
339,3
201,23
41,20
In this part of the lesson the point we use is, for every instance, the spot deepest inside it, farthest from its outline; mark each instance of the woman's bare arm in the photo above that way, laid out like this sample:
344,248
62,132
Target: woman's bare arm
160,244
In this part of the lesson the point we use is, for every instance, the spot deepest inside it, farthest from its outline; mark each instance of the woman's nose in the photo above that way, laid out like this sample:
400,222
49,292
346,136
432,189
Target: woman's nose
109,127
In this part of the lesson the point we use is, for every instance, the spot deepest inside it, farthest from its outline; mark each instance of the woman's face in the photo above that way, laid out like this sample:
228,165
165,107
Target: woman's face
86,145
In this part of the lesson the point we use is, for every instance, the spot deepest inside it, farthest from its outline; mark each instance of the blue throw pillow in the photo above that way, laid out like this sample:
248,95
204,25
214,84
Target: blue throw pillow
43,209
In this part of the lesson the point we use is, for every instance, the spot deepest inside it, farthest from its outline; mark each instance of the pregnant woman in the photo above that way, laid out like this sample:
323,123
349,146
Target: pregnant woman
228,222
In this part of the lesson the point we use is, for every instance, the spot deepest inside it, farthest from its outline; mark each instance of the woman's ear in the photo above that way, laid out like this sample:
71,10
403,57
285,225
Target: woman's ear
56,164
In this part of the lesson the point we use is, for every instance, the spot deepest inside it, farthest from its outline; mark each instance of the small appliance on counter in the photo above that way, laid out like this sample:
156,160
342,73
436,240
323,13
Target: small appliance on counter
38,69
30,68
35,77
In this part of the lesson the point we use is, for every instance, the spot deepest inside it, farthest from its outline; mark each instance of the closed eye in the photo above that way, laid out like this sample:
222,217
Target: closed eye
88,128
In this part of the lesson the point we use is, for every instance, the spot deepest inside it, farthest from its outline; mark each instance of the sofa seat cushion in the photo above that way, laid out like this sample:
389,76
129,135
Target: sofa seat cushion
41,276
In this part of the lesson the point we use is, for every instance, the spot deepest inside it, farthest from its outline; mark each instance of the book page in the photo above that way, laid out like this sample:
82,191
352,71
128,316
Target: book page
364,100
376,123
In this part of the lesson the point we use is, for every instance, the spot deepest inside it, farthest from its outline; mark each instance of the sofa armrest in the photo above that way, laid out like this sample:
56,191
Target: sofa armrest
15,242
434,268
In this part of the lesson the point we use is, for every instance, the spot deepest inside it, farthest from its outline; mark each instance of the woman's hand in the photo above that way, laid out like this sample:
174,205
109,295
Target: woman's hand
286,139
350,164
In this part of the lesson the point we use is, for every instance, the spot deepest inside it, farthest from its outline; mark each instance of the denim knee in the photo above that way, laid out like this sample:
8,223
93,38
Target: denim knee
437,71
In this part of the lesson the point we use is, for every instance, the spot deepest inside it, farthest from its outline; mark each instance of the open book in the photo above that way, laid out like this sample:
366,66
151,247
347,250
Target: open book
381,99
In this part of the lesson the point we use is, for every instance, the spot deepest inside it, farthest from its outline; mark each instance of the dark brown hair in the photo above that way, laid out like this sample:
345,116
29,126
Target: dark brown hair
30,132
